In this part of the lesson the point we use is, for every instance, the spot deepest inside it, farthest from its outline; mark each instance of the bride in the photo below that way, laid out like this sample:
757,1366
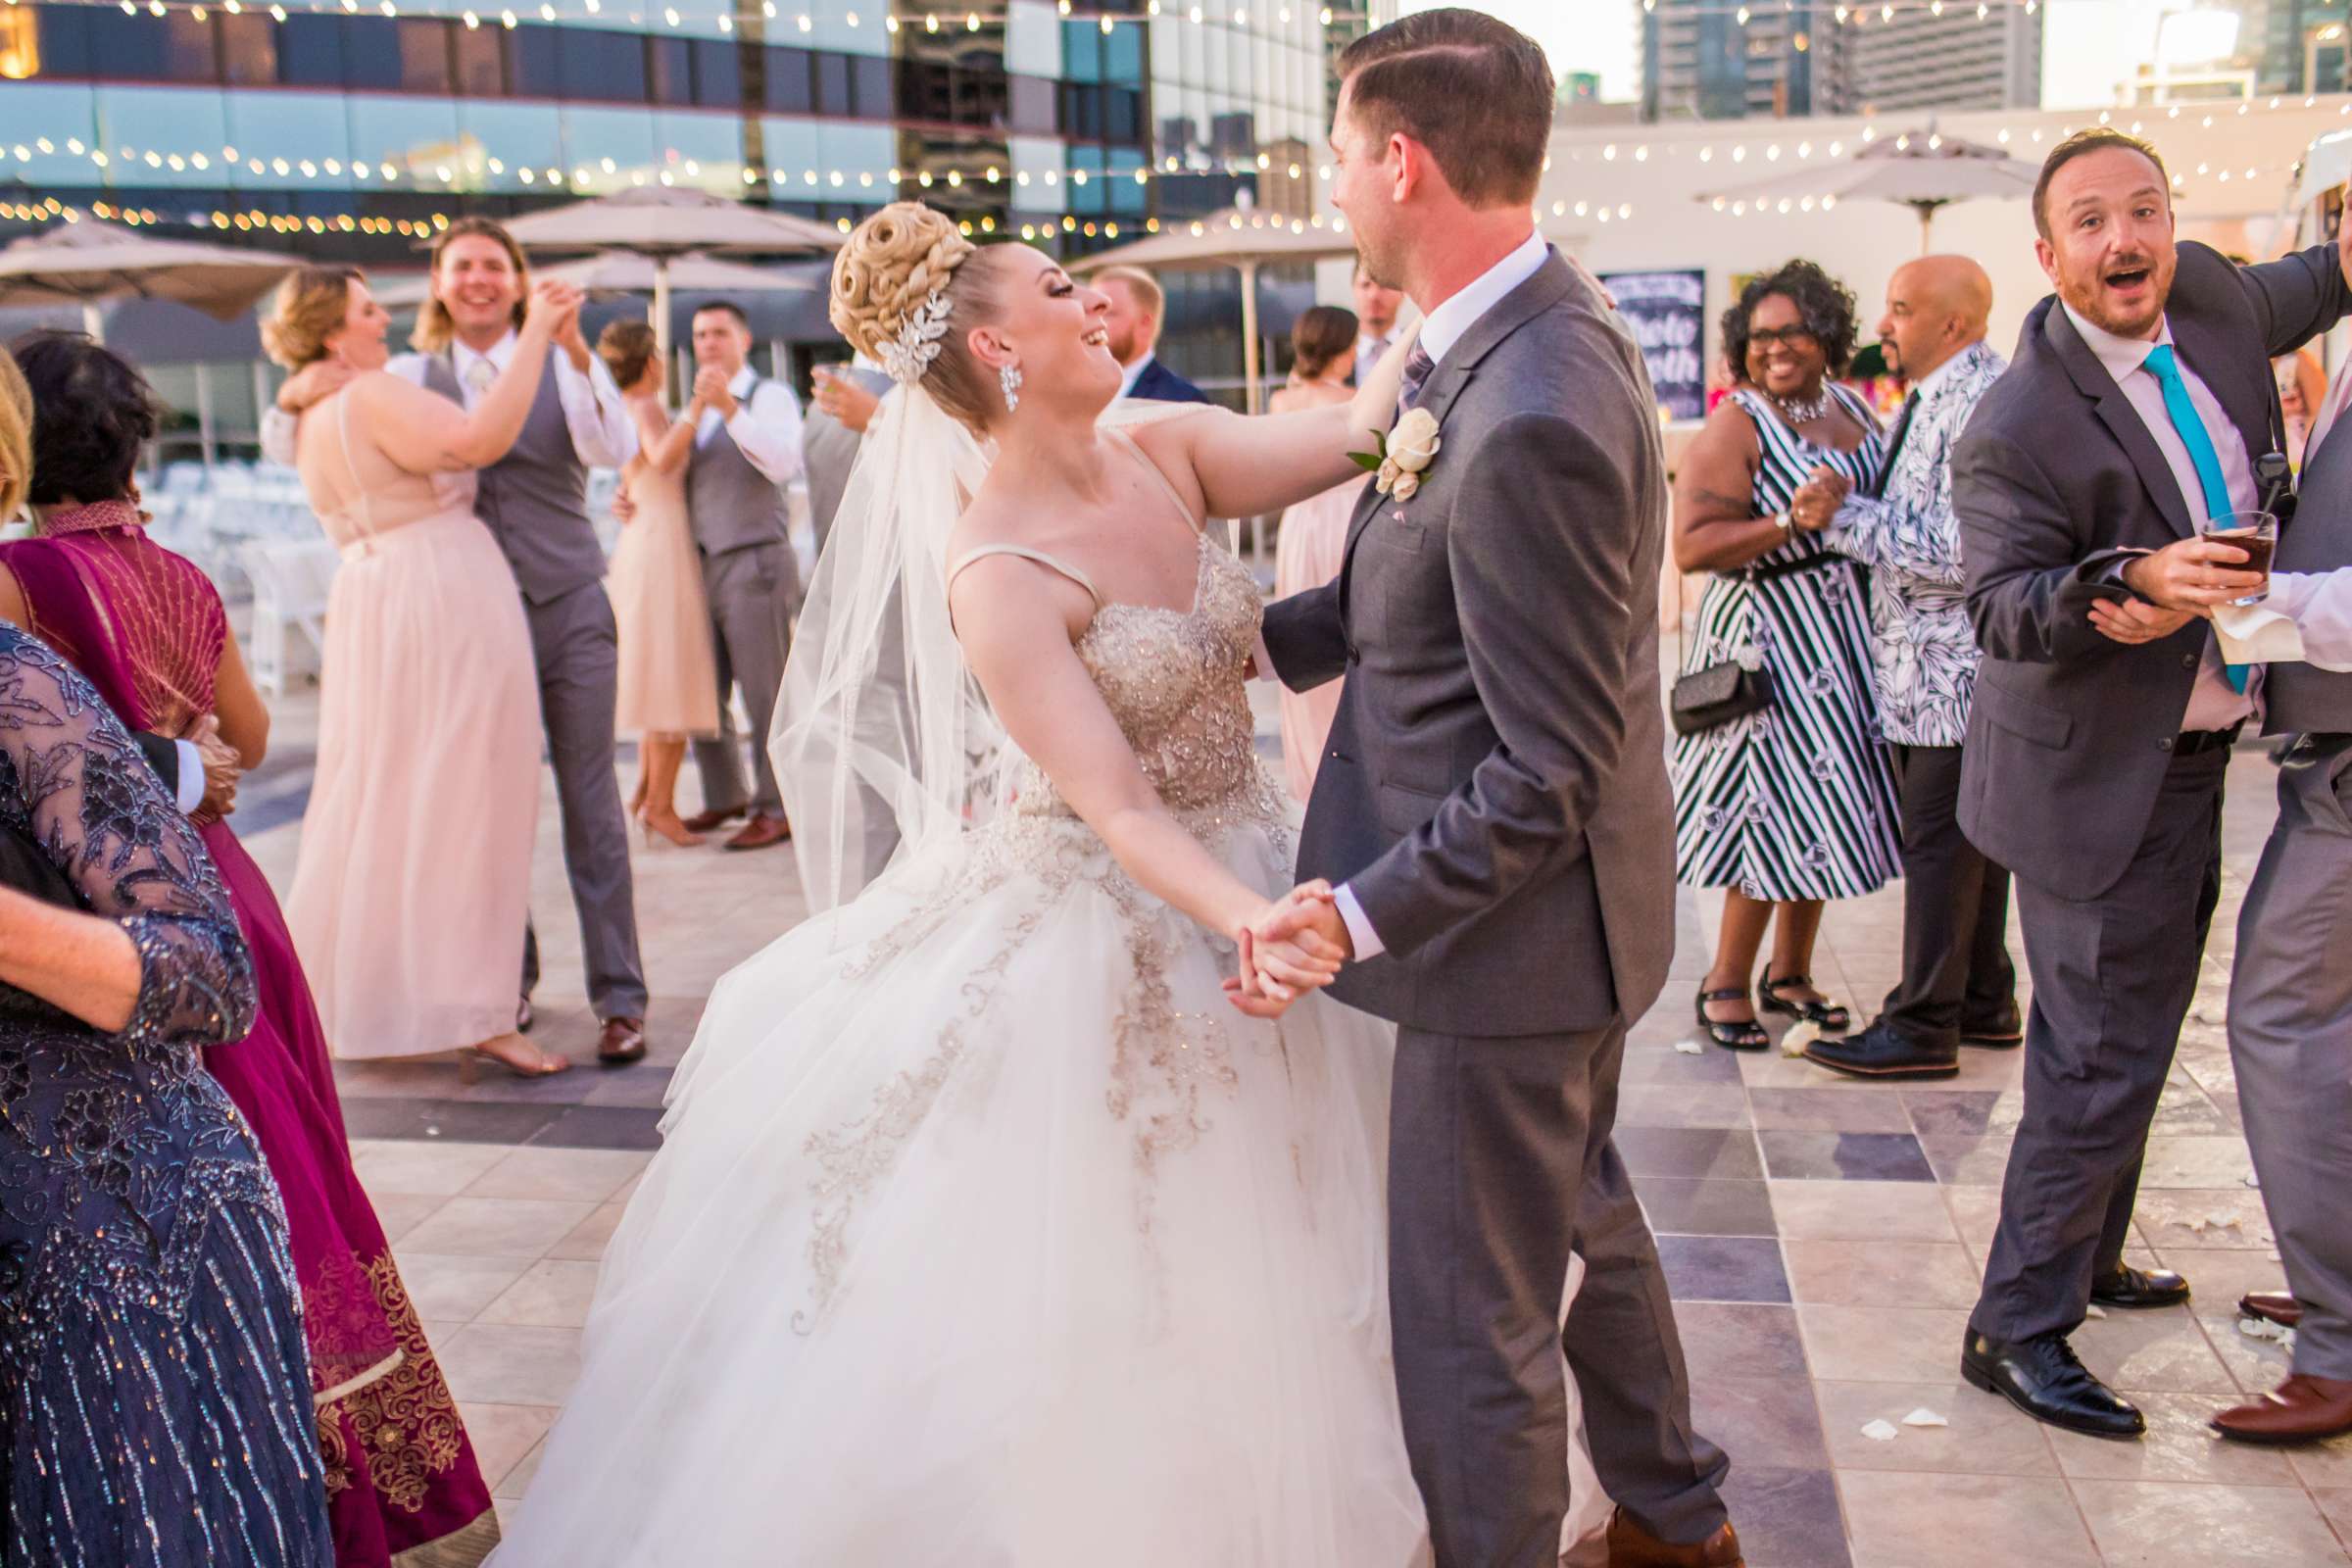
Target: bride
1000,1222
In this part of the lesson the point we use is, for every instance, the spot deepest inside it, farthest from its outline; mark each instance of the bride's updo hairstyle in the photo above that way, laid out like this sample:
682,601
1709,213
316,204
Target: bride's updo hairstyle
884,278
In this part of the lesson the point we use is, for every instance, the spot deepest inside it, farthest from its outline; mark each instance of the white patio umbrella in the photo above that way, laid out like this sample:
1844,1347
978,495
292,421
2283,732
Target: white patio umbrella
621,272
91,261
1241,238
663,222
1925,171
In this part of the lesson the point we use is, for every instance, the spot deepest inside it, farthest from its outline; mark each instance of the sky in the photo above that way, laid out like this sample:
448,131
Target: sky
1579,35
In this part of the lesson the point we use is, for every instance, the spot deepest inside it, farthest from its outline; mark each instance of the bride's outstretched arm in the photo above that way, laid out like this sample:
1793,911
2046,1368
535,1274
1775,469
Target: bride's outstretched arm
1017,622
1250,466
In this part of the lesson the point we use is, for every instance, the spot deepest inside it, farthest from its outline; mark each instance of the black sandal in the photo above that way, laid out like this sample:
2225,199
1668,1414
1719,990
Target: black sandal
1732,1034
1830,1017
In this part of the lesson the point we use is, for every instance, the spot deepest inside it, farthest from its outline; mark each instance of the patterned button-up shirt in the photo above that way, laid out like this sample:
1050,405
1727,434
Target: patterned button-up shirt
1921,644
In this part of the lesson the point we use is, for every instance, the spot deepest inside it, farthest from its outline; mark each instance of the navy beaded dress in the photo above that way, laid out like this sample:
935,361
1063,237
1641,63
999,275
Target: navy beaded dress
155,1394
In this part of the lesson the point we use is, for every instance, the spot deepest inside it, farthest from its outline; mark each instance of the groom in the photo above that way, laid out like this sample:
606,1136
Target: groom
1494,810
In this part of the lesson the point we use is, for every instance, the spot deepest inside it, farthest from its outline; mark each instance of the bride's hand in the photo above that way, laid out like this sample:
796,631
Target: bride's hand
1282,957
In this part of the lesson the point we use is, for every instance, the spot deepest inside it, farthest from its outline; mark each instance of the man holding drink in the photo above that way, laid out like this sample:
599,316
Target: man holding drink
2138,414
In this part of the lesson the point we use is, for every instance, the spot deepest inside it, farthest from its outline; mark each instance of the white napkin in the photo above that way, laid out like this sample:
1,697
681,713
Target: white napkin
2254,635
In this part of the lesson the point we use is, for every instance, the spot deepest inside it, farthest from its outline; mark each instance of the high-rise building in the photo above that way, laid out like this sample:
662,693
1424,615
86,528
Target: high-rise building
1918,60
1702,61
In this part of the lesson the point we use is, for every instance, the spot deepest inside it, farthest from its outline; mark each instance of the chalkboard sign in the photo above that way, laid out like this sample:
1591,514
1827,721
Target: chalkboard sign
1667,311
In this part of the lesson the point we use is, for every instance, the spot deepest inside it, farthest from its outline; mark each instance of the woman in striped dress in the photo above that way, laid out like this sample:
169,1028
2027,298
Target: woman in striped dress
1795,804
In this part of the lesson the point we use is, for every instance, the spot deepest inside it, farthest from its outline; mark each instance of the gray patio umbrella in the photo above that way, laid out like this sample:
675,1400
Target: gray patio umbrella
1925,171
90,261
623,273
1241,238
663,222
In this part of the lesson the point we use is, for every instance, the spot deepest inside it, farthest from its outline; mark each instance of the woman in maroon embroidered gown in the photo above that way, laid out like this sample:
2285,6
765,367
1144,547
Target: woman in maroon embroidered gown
148,631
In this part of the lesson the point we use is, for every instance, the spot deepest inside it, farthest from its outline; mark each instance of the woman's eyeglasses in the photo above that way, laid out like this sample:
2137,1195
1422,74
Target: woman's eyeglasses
1789,338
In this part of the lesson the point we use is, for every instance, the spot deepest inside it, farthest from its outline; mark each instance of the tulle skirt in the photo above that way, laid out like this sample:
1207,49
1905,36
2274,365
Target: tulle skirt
1307,553
413,879
669,672
986,1234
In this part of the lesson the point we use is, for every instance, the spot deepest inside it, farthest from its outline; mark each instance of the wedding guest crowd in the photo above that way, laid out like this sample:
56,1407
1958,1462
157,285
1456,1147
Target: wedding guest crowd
1139,308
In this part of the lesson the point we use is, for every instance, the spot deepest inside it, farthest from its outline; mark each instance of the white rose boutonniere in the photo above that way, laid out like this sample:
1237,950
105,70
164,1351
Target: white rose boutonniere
1403,455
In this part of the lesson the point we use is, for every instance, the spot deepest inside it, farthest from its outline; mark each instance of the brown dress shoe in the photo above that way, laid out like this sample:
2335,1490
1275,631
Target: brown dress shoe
622,1042
711,822
2270,1306
759,832
2302,1409
1632,1546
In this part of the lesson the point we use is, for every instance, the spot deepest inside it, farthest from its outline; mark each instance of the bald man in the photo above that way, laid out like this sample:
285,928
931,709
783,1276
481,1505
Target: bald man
1958,986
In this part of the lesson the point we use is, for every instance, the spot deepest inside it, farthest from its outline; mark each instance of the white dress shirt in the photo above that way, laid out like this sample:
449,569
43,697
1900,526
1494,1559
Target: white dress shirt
191,776
1369,349
1445,326
602,432
2320,603
765,425
2212,704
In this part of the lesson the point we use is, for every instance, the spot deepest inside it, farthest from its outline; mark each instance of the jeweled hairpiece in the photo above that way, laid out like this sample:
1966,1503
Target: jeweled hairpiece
910,354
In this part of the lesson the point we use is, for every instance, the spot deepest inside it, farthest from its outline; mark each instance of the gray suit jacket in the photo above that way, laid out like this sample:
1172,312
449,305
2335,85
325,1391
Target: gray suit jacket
1495,793
829,451
2055,476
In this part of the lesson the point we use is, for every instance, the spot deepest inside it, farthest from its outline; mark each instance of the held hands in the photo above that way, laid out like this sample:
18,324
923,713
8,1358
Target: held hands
1293,946
710,390
2191,575
1815,505
554,310
624,509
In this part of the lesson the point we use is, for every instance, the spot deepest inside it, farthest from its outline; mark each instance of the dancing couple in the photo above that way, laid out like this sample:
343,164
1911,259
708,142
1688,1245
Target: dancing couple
1027,1204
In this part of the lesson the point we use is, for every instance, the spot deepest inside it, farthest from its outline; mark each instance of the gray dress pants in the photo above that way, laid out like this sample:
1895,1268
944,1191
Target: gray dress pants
1500,1165
2113,977
752,594
2290,1041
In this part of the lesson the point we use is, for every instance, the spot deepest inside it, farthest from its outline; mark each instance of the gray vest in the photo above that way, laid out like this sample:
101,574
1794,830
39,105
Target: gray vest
732,505
534,499
2301,699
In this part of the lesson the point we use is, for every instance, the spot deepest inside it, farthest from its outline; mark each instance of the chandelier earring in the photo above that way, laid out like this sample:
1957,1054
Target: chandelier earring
1008,376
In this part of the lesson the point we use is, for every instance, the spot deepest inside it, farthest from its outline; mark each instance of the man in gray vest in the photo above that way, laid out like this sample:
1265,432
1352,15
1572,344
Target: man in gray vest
747,449
535,503
2290,990
848,397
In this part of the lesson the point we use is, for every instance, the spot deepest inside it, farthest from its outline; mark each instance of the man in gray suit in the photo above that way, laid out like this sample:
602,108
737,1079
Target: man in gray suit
534,501
847,399
747,449
2140,402
1494,801
2290,988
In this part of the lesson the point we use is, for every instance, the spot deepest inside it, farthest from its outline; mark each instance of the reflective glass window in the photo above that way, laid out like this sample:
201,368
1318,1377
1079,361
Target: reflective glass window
870,87
263,127
833,84
615,145
310,50
534,64
601,65
1033,39
718,73
788,91
175,47
1032,104
424,63
417,136
518,136
481,60
248,49
31,110
371,53
705,151
152,135
671,64
63,40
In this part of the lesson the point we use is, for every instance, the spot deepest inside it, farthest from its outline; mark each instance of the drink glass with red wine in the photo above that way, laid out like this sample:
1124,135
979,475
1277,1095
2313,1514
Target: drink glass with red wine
2254,532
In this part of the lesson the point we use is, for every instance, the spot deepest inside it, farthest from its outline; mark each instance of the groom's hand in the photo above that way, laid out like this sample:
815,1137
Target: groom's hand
1308,917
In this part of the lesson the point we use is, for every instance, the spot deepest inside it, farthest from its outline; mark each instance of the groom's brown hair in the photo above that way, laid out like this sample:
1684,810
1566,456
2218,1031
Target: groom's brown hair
1473,90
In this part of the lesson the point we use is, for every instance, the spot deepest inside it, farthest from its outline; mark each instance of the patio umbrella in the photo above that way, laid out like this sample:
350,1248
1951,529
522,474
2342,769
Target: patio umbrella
87,262
663,222
1240,238
622,272
1922,170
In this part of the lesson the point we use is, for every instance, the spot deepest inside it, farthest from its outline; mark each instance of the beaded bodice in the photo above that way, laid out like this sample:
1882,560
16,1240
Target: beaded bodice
1173,679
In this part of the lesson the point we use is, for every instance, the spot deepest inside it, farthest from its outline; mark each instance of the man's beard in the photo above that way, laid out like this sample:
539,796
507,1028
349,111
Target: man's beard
2089,298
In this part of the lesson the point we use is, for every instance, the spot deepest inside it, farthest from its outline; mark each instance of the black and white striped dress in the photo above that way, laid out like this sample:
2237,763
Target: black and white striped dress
1797,801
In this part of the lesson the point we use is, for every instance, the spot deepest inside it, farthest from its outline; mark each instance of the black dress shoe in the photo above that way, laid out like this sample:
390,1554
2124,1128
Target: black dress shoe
1997,1033
2042,1377
1884,1051
2129,1286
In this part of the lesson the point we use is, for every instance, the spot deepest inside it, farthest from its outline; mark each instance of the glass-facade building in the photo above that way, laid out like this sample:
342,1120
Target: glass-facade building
353,129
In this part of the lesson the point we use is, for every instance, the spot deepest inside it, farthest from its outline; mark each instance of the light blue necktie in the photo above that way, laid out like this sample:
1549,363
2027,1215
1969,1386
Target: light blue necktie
2164,365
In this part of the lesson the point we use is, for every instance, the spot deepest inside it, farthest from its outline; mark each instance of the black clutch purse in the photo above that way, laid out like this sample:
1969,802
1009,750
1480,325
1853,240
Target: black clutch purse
1717,695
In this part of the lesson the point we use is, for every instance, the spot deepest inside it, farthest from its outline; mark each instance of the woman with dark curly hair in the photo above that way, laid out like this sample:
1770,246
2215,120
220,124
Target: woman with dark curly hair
1794,804
147,628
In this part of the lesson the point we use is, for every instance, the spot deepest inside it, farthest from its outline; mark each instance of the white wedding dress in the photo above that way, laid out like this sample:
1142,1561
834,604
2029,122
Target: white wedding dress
986,1234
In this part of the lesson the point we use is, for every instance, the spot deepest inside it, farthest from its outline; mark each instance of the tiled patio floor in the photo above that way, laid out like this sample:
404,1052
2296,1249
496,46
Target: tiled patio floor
1822,1239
